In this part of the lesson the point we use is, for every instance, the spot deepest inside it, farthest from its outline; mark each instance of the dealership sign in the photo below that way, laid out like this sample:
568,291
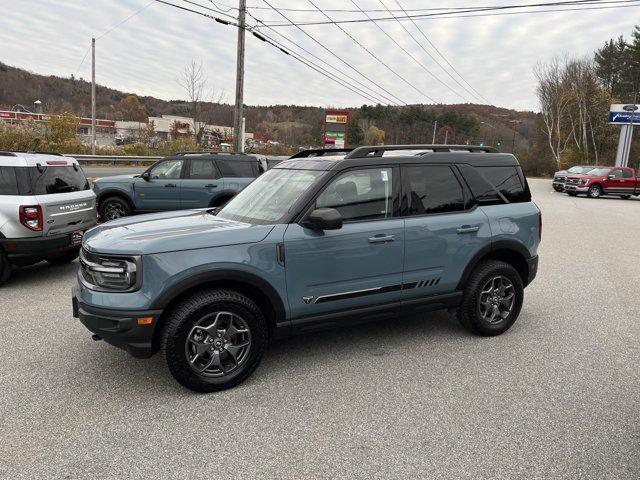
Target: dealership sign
336,118
620,113
335,128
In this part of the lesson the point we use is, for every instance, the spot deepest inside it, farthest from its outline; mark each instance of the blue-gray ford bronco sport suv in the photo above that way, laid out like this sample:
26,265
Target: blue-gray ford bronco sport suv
314,243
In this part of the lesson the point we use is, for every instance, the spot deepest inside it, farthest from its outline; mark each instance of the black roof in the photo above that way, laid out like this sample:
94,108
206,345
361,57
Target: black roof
441,154
319,152
236,156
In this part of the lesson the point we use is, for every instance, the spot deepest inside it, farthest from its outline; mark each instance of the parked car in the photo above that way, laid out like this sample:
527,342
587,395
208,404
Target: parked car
184,180
560,177
620,181
46,205
314,243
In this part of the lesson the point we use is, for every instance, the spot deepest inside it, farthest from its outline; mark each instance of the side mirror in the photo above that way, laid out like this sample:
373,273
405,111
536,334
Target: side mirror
145,176
324,219
612,176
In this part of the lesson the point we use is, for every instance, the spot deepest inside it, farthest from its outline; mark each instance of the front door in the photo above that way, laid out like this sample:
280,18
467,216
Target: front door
162,190
357,265
201,184
441,232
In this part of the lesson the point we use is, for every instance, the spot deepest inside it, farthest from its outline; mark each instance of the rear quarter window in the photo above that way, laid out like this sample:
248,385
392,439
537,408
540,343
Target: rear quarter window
490,184
8,183
235,168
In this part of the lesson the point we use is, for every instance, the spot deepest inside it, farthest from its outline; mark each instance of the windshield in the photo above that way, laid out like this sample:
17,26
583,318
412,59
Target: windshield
598,171
579,169
270,197
57,180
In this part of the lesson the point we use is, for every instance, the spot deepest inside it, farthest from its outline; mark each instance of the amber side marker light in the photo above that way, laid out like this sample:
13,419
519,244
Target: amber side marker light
144,320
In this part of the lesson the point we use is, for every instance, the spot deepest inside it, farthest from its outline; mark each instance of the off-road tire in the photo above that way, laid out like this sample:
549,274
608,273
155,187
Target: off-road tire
595,191
625,197
5,268
188,313
68,257
469,314
115,202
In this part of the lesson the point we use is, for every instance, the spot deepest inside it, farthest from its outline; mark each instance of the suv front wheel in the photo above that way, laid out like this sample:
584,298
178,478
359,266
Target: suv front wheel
113,208
214,340
492,299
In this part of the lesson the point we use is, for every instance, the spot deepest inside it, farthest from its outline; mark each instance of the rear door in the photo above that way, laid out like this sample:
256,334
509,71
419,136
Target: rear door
357,265
628,181
162,190
202,182
443,229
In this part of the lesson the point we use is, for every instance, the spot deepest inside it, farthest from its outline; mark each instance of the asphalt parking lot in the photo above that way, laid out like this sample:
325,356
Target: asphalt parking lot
556,397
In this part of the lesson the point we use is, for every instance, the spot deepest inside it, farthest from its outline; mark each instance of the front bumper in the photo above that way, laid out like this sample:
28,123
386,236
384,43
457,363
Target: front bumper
576,188
558,184
119,328
20,250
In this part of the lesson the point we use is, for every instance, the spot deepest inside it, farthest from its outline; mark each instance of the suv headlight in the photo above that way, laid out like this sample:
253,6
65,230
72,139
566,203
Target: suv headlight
110,273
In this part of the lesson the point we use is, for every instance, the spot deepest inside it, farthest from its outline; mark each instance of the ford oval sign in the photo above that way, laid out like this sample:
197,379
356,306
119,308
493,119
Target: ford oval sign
630,108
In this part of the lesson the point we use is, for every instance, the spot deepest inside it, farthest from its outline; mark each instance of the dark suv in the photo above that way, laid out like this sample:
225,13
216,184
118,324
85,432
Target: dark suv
183,180
314,243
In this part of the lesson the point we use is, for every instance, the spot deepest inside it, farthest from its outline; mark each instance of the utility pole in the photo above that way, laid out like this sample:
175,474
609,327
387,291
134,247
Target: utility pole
93,96
435,127
238,134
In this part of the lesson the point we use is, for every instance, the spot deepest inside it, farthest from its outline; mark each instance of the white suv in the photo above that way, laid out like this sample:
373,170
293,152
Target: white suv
46,205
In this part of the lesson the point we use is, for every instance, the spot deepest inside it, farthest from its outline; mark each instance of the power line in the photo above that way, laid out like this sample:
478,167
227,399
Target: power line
344,62
272,42
456,13
412,56
374,56
438,51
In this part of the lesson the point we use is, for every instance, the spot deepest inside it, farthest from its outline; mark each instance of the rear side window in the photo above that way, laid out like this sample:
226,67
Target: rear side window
627,174
486,182
235,168
431,189
202,169
8,183
57,180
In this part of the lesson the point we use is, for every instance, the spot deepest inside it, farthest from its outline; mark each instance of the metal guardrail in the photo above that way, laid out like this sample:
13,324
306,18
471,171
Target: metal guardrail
115,159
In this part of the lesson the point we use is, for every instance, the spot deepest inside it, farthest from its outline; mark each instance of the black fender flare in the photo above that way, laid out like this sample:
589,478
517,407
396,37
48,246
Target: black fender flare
209,276
115,192
505,244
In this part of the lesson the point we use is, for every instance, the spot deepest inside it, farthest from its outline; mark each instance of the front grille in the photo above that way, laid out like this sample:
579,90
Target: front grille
560,179
572,181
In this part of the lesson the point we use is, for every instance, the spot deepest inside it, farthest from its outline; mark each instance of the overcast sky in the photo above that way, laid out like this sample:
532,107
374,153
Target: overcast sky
146,54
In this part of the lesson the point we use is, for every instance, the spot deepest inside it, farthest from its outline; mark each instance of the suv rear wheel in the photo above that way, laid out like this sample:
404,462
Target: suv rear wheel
214,340
492,299
112,208
5,268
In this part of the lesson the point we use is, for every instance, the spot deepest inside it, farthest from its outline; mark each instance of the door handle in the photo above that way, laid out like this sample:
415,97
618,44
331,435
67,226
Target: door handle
211,185
170,185
382,239
467,229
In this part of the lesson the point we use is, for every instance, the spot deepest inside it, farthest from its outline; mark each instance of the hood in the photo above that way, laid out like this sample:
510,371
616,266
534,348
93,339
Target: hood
170,232
560,172
115,178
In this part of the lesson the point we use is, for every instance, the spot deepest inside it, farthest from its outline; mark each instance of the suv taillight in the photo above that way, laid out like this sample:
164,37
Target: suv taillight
539,226
31,217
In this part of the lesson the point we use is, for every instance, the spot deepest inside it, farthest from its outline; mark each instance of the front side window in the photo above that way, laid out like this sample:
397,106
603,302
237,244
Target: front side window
616,173
168,170
49,180
269,198
202,169
360,194
432,189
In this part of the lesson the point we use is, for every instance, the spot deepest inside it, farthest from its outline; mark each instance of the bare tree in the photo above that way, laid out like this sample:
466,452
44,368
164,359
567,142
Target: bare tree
194,82
554,97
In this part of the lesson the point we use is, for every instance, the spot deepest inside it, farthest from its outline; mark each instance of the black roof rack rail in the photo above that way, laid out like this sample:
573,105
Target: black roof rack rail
319,152
7,154
210,153
13,154
378,151
45,153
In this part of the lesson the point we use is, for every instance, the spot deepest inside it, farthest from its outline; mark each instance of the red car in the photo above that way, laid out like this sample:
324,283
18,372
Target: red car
621,181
